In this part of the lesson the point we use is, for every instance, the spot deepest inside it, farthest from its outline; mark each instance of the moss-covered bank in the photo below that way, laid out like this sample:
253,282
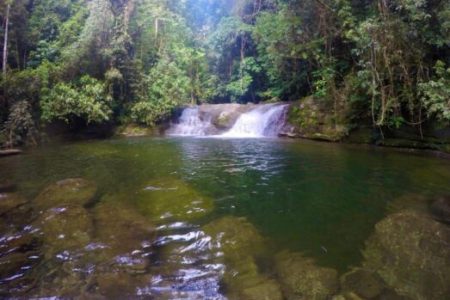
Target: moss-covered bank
310,118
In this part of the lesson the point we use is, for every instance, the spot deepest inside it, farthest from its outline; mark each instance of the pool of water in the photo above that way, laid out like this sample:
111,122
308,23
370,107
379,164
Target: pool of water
318,199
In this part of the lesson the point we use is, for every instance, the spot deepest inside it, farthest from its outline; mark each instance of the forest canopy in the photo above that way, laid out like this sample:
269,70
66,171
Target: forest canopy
381,62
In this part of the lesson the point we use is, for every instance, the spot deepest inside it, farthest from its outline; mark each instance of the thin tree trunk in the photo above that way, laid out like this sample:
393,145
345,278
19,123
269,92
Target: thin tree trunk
5,43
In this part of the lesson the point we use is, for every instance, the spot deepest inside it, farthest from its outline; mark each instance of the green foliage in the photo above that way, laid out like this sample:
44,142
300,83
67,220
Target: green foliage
166,87
436,93
87,99
365,61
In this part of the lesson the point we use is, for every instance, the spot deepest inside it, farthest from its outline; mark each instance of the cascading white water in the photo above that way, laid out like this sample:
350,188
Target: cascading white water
190,124
264,121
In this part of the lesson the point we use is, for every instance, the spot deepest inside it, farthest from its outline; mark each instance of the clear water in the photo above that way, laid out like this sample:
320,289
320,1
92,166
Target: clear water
317,198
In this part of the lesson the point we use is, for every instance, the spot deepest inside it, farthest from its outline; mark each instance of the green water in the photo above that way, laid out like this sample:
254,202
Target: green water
316,198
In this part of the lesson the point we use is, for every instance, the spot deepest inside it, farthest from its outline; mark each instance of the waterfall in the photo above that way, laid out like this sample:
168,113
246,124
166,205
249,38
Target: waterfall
190,124
264,121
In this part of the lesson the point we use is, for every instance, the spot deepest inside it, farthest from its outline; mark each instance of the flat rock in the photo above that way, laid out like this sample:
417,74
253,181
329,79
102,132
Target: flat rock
73,191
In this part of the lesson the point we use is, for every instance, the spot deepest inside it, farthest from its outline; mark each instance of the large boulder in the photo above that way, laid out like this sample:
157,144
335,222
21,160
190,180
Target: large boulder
301,278
172,198
73,191
410,252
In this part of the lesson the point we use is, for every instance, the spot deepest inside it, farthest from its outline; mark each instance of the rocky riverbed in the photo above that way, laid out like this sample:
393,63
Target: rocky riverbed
72,241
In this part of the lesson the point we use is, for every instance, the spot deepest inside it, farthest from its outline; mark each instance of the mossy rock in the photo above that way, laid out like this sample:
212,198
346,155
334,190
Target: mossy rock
64,228
310,119
73,191
10,201
173,198
235,237
301,278
410,252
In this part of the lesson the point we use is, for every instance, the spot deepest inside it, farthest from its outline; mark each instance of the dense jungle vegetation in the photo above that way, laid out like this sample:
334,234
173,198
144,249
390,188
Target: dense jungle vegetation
383,63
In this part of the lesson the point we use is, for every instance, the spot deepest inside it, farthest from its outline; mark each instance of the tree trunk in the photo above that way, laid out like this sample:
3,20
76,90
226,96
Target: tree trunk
5,43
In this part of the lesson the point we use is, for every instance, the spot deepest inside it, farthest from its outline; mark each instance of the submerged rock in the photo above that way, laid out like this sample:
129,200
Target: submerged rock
99,254
243,280
366,284
440,209
301,278
235,237
73,191
10,201
173,198
64,228
410,252
238,243
121,228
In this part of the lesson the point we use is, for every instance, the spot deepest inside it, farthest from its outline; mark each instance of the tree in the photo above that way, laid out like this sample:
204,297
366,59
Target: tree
5,40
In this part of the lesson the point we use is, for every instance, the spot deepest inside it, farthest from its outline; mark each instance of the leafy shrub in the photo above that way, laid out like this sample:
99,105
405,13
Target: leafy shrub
436,93
88,99
165,88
